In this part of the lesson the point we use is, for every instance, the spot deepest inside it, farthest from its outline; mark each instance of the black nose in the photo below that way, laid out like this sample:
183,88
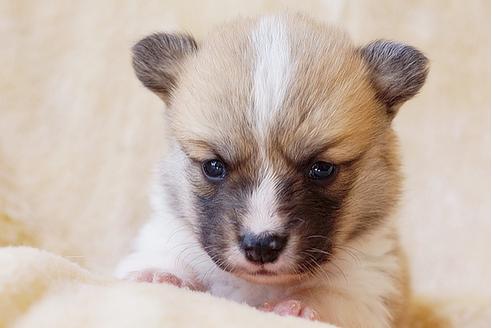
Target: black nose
263,248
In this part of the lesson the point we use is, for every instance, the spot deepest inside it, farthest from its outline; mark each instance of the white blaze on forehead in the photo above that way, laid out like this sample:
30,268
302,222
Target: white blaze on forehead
263,207
271,72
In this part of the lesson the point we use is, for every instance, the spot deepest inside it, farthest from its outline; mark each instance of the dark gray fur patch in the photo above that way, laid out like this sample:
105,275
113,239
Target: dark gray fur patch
398,71
156,60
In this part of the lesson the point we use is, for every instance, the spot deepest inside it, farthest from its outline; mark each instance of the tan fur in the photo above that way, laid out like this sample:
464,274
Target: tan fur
423,314
210,81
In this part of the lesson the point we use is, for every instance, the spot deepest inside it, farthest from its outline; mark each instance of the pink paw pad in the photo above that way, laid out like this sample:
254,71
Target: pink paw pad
293,308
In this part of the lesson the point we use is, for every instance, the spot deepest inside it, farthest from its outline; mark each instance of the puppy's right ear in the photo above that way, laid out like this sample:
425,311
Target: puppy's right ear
398,71
157,61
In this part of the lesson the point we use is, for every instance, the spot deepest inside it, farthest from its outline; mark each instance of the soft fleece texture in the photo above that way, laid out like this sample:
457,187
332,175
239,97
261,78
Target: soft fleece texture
40,289
79,136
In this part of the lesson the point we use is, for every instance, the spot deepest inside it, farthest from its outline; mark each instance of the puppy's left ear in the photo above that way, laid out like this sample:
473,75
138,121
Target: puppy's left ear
158,59
398,71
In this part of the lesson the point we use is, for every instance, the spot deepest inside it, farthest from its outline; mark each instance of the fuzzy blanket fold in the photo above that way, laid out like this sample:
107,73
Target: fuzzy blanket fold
40,289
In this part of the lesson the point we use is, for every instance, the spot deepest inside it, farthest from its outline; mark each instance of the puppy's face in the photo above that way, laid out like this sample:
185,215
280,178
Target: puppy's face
286,129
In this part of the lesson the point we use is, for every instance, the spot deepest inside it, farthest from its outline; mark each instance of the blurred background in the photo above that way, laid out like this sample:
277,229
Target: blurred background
79,135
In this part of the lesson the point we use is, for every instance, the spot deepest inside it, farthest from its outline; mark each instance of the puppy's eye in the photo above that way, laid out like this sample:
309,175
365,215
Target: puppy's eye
214,169
322,171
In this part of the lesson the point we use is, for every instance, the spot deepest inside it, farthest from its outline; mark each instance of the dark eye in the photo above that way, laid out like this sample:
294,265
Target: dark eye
214,169
322,171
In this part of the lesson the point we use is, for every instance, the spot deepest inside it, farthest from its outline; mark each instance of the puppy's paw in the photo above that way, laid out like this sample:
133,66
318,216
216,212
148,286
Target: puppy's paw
293,308
158,277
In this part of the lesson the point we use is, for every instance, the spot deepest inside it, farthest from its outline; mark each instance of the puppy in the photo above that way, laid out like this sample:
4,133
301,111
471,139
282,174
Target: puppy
283,177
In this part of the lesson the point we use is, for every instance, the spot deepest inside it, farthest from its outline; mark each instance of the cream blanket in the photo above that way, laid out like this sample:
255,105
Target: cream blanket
39,289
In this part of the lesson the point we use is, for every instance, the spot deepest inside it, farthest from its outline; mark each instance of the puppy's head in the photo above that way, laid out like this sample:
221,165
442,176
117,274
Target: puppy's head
286,129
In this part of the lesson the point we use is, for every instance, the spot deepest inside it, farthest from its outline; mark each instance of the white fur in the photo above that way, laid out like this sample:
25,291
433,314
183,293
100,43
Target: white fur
358,278
164,243
272,70
262,216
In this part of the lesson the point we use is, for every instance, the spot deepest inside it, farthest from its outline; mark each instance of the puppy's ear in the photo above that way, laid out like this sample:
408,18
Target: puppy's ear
157,61
398,71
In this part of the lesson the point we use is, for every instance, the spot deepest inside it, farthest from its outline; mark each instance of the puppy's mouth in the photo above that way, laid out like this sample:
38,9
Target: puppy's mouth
263,276
264,272
260,272
252,270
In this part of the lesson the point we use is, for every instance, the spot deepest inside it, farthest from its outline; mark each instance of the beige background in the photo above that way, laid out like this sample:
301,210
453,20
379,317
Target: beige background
79,135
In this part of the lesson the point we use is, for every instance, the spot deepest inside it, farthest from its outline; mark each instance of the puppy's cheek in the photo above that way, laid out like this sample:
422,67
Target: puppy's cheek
216,231
201,187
